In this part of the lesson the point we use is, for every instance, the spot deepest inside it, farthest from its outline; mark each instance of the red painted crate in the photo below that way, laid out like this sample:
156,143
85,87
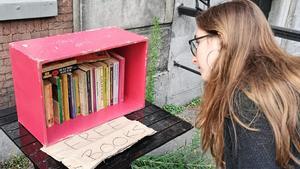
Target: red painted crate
27,58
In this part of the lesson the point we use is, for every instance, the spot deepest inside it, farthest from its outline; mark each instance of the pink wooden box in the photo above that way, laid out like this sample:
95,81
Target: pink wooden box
27,58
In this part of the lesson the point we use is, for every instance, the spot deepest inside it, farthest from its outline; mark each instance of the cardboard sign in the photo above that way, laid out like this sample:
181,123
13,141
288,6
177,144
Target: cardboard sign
88,149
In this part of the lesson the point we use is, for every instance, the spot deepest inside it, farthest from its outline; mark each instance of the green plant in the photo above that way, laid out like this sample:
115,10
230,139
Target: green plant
194,103
173,109
154,46
16,162
186,157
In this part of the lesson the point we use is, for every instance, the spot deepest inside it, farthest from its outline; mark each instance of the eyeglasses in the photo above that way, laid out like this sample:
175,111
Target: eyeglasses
194,44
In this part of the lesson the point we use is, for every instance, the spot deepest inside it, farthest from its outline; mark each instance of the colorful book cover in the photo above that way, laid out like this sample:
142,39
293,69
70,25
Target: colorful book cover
121,74
57,99
57,72
71,97
101,66
57,65
83,93
65,97
48,100
88,86
77,96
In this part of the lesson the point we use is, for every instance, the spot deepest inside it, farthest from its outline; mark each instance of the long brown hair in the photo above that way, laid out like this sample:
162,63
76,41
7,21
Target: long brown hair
252,62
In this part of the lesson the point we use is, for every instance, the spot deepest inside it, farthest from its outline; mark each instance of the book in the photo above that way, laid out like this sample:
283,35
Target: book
114,80
57,99
57,72
48,101
91,58
77,96
83,93
65,96
100,84
57,65
87,71
121,73
71,96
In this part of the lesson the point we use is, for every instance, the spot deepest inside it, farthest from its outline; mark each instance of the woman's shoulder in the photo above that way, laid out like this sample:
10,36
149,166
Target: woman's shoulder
247,110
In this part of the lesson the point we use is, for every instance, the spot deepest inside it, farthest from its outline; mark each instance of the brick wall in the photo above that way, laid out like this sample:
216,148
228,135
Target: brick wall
16,30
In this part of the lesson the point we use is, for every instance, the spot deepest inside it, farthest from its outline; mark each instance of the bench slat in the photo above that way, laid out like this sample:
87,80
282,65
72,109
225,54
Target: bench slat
8,119
7,111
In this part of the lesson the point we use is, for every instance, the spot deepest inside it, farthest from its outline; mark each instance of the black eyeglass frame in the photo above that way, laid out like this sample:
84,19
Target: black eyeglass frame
197,38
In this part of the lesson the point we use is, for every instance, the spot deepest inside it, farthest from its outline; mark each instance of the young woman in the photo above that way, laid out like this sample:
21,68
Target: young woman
249,117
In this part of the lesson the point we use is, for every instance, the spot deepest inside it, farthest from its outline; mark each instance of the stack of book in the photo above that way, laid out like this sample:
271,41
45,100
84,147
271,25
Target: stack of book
83,85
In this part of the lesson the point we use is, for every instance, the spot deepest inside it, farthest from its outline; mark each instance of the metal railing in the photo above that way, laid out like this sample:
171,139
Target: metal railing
281,32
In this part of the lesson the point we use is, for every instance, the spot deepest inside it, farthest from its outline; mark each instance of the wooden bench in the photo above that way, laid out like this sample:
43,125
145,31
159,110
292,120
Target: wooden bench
167,126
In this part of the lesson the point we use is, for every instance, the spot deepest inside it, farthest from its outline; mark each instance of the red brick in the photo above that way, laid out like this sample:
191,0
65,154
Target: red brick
12,102
56,25
8,83
35,35
21,27
1,47
10,89
5,46
68,30
30,26
5,69
68,17
37,25
4,106
14,27
21,36
6,28
4,54
65,10
59,18
68,25
3,90
6,61
8,76
44,33
5,39
56,32
1,29
4,99
45,24
2,77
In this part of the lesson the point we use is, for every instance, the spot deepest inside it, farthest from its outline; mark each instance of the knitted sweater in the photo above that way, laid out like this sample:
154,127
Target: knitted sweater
245,149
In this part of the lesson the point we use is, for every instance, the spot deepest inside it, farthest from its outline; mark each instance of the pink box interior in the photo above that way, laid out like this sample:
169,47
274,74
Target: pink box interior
28,56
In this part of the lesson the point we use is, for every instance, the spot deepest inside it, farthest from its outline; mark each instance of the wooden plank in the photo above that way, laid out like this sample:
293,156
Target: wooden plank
17,133
8,119
25,140
11,126
7,111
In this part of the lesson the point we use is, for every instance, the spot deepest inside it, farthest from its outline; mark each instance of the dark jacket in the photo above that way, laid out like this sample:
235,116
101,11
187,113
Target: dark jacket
245,149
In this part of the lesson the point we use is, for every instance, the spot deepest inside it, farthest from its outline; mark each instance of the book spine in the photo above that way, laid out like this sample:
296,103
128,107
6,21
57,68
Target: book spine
111,69
77,96
70,96
102,87
83,93
88,79
116,83
98,88
65,97
60,100
107,83
94,90
74,112
48,104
